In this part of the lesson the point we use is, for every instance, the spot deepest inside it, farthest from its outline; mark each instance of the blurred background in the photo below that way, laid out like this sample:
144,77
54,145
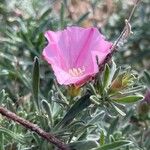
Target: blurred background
22,25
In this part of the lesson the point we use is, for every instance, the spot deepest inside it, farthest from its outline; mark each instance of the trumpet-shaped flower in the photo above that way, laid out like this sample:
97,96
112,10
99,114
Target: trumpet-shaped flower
72,53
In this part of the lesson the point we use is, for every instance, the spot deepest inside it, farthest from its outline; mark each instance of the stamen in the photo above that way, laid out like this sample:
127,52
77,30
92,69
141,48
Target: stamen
76,72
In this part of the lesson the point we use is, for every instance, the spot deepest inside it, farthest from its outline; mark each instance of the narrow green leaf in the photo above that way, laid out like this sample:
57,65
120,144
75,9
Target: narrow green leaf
39,30
102,138
82,18
22,24
83,135
112,72
128,99
10,106
45,14
80,105
132,90
4,72
97,118
117,73
147,77
100,86
2,141
114,145
36,81
118,110
12,135
47,108
60,93
83,145
3,96
92,88
113,126
40,40
94,99
62,12
35,137
106,76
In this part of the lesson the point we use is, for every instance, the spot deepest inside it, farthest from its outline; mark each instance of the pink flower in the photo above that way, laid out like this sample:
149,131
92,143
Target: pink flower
72,53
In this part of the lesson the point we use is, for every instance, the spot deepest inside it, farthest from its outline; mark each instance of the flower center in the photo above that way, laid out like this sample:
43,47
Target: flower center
76,72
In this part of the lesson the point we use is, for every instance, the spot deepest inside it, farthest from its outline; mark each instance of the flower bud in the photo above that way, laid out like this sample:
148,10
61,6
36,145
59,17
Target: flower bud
74,90
147,96
144,106
122,81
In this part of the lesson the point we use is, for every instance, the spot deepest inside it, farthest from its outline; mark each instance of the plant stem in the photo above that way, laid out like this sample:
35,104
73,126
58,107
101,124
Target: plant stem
33,127
124,29
114,46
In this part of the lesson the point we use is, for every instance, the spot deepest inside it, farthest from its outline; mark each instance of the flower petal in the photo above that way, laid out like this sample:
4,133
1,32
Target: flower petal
75,48
64,78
